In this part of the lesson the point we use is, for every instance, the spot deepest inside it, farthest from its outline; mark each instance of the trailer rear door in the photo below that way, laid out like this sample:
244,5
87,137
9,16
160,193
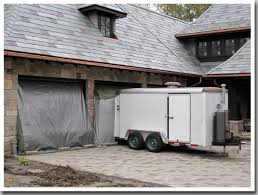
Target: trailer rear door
179,117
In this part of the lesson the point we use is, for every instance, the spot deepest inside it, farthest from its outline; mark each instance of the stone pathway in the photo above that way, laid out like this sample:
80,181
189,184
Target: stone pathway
173,167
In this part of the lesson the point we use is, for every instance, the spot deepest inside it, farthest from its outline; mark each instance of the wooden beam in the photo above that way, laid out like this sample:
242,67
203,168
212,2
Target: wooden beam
228,30
90,63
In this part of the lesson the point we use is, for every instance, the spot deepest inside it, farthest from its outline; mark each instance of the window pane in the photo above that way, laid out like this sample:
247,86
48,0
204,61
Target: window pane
103,20
107,21
202,47
102,25
108,32
230,46
105,25
108,26
216,48
102,30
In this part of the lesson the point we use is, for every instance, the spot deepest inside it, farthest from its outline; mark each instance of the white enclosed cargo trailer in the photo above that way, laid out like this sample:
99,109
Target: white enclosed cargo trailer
157,116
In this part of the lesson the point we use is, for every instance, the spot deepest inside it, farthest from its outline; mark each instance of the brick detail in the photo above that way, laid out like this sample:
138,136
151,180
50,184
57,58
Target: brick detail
8,84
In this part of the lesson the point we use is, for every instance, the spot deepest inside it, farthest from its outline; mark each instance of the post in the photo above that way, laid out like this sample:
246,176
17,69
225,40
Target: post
90,85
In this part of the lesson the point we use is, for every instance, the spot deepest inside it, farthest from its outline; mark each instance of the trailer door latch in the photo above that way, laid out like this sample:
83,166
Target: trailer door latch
169,117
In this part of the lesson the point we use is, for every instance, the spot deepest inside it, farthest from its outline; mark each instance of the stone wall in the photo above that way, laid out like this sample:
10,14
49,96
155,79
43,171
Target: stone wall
15,67
10,107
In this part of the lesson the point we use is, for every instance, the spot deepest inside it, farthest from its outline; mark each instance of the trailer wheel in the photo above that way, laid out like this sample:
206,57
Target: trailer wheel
135,141
153,143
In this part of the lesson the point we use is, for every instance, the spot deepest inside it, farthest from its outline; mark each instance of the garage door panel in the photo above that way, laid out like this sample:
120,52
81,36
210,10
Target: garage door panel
53,114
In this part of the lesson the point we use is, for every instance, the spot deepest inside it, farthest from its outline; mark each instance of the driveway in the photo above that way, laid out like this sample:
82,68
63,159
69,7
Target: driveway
173,167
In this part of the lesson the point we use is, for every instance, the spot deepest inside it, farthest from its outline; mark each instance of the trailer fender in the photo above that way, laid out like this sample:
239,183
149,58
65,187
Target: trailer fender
145,133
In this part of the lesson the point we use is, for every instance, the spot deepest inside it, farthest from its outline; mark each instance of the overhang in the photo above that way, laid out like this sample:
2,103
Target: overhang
90,63
212,32
95,7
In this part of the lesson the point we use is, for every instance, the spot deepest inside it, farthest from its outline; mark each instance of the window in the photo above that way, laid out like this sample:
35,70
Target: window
216,48
229,47
219,48
202,50
106,25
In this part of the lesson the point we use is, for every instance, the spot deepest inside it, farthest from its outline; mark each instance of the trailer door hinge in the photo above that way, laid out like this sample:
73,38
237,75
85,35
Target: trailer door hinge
117,107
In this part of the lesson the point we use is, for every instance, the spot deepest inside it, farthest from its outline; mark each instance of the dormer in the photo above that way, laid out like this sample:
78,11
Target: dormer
103,17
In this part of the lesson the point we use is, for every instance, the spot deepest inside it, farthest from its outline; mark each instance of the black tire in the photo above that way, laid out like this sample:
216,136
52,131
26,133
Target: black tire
135,141
153,143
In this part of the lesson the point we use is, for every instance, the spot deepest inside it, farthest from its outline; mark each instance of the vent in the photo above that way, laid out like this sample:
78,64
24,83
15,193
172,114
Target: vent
173,84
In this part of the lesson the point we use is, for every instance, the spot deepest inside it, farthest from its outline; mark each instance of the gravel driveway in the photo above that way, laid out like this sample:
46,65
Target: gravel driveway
173,167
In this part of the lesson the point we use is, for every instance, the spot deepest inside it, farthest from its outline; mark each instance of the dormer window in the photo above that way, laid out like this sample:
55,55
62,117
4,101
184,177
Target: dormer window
103,17
105,25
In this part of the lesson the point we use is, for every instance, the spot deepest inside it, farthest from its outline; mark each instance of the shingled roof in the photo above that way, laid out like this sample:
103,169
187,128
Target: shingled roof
240,62
145,38
219,17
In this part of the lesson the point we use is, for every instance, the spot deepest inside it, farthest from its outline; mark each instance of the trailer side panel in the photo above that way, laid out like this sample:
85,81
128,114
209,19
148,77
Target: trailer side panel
146,112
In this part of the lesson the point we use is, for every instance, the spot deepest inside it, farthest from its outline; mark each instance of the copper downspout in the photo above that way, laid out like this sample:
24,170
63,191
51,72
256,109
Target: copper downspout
197,83
215,83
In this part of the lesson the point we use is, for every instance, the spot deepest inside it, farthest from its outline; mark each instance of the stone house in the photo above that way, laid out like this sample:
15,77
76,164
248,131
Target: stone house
58,54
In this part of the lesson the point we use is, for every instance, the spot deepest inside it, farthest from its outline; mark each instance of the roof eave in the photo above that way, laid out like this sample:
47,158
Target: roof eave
212,32
227,75
91,63
97,7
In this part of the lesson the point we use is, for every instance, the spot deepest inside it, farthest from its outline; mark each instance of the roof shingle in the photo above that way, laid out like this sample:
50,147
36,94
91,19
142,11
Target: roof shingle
221,16
240,62
145,38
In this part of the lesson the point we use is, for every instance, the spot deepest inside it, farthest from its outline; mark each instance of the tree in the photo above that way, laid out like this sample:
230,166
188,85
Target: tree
187,12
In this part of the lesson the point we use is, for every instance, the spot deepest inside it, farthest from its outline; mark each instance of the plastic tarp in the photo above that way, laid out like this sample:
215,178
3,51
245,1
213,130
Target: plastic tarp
105,117
53,114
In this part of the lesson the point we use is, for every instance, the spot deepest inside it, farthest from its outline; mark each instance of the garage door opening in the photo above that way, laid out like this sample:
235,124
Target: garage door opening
52,114
105,93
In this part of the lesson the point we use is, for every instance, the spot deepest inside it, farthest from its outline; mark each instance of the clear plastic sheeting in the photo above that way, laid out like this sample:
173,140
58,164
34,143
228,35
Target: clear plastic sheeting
53,115
105,117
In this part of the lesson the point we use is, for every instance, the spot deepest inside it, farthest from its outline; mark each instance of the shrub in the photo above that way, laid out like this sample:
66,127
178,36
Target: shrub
23,161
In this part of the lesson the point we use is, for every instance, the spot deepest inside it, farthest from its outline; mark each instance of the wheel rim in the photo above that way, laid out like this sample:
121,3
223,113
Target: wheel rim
134,141
152,144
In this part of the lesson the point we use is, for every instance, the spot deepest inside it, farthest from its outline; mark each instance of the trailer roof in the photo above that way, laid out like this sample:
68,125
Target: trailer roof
172,90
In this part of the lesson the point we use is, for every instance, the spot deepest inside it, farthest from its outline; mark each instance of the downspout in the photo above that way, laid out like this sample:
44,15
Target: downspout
223,86
200,81
215,83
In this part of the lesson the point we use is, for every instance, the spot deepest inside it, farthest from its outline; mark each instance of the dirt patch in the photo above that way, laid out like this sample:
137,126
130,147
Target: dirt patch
65,176
46,175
